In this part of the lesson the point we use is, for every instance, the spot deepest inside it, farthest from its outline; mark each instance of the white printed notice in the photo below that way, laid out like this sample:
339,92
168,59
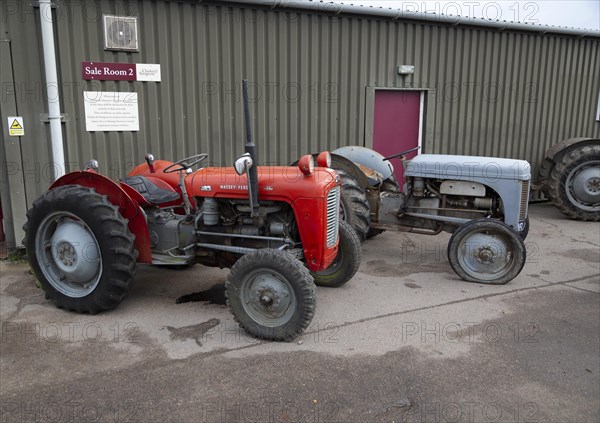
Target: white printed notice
111,111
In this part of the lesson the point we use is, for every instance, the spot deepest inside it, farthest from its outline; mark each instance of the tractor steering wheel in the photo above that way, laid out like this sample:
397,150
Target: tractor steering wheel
185,164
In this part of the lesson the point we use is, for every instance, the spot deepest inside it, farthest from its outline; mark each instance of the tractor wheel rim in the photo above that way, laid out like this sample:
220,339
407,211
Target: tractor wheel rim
68,254
268,297
583,186
485,255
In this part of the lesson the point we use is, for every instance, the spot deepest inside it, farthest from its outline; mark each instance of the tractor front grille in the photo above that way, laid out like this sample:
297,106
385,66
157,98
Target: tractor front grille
524,200
333,216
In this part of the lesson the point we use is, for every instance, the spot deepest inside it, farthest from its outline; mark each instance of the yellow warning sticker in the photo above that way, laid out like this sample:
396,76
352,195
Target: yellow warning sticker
15,126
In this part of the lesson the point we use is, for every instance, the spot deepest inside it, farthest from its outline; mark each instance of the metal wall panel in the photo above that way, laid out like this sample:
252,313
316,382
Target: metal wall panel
499,93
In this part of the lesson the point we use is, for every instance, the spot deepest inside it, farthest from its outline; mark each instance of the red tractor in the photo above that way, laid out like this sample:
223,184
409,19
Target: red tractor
277,228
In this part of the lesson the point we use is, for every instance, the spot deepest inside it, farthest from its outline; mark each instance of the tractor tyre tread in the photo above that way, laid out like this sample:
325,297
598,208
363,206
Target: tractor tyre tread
340,272
519,250
558,177
303,284
115,242
356,205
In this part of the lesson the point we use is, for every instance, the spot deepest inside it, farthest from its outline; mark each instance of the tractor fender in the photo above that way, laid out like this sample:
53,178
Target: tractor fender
129,209
368,158
555,153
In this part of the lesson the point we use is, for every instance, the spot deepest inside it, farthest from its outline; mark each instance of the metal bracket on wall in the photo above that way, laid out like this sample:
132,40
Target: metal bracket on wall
36,5
45,118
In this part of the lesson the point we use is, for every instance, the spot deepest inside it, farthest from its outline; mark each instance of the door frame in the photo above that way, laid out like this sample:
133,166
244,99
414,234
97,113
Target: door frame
425,113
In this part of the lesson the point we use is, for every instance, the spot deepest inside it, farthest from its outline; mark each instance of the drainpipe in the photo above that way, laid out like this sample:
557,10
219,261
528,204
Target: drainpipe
52,91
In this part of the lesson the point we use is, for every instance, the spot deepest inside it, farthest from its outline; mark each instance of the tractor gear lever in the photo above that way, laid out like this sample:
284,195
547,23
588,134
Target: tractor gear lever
150,160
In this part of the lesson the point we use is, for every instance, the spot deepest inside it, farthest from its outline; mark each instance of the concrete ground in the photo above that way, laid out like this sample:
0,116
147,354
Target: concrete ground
405,340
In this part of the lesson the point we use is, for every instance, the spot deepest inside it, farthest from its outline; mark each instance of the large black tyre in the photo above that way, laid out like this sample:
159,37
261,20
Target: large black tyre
355,205
346,263
271,295
80,249
574,183
486,251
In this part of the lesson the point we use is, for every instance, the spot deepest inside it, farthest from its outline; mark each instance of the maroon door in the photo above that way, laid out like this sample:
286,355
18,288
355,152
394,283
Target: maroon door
396,125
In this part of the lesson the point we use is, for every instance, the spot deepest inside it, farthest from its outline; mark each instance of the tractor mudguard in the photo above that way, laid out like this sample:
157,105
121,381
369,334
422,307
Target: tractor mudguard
128,208
554,154
367,157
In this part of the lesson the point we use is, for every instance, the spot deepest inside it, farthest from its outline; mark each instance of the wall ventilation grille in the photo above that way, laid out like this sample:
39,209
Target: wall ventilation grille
120,33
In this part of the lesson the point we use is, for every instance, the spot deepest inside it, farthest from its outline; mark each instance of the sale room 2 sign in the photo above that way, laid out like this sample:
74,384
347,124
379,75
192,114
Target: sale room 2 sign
120,71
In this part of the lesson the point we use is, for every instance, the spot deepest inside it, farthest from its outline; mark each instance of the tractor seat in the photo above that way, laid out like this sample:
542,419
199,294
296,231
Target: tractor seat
151,190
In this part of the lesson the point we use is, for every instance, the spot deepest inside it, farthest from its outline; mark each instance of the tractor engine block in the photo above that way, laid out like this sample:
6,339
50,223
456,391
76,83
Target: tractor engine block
219,232
170,234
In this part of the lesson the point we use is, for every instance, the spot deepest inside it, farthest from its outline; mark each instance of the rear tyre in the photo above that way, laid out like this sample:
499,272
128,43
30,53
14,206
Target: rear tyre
346,263
486,251
354,205
80,249
574,184
271,295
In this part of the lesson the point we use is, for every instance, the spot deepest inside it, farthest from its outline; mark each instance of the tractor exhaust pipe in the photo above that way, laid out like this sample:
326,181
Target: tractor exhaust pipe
250,148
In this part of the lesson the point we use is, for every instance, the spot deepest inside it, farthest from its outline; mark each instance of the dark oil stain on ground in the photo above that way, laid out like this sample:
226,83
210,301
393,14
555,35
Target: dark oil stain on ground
214,295
412,285
586,254
195,332
403,268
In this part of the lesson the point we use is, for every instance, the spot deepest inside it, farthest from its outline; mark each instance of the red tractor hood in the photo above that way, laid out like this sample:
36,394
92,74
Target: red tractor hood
307,194
275,183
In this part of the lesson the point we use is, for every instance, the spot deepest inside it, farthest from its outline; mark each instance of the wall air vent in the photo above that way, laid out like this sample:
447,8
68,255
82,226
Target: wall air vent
120,33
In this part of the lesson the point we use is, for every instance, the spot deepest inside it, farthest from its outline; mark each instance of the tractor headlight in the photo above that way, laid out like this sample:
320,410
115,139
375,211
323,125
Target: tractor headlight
307,164
324,159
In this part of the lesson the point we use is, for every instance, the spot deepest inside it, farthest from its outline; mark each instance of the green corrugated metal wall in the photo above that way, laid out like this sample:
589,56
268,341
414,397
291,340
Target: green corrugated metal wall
492,92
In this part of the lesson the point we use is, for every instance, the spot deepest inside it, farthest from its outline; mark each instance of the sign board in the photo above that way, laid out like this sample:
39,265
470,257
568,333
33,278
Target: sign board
108,71
15,126
147,72
102,71
111,111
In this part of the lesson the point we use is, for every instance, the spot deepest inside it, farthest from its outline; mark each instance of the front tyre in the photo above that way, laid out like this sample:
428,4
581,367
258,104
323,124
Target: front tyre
346,263
271,295
80,249
486,251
